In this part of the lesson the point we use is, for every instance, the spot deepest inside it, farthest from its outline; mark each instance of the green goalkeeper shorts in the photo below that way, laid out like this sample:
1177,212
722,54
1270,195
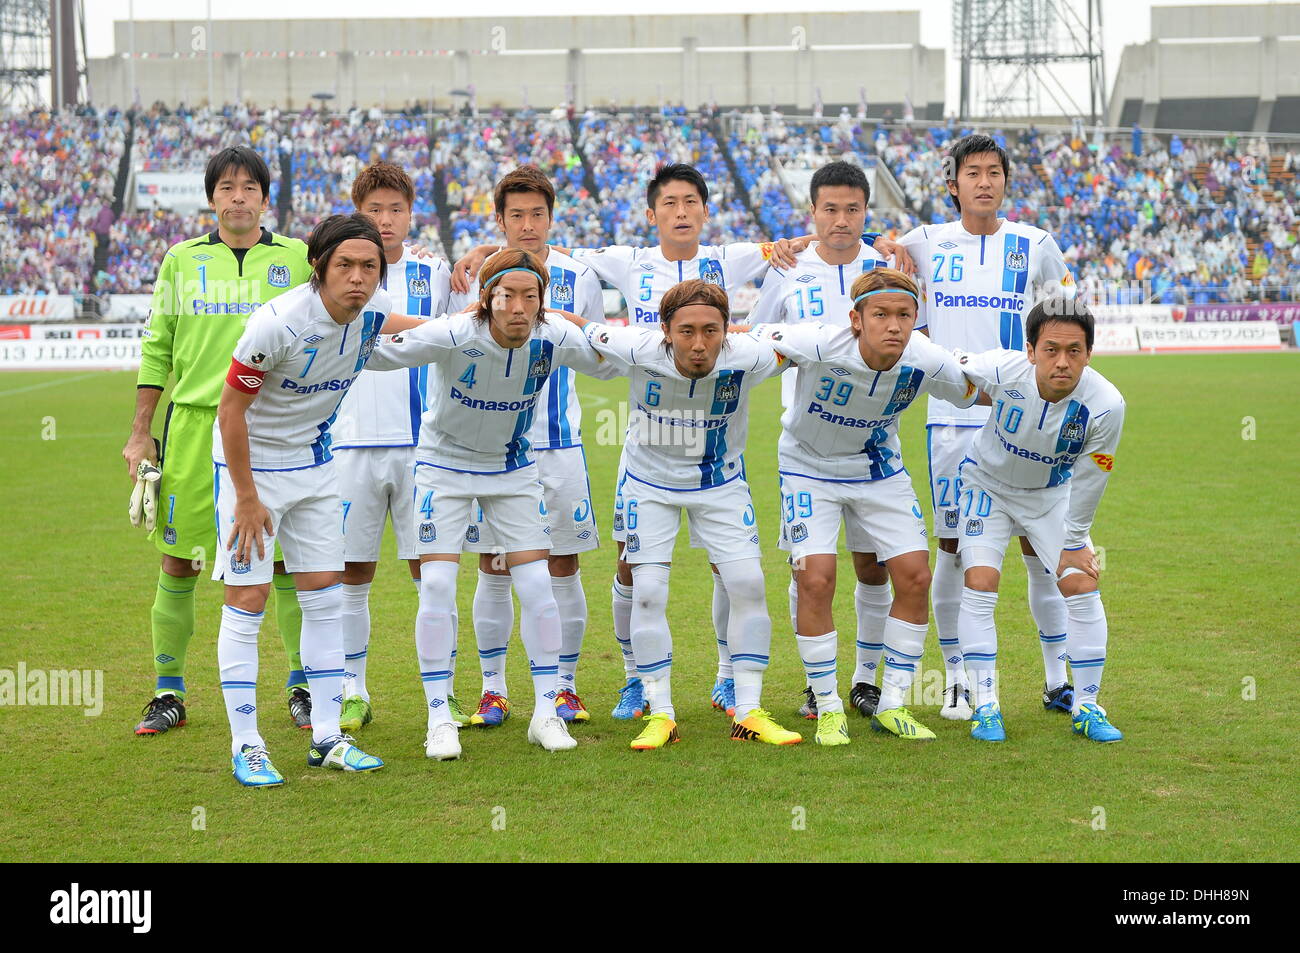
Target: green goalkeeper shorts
187,516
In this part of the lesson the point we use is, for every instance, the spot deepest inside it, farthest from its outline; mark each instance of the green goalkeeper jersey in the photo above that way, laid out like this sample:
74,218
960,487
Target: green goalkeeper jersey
201,302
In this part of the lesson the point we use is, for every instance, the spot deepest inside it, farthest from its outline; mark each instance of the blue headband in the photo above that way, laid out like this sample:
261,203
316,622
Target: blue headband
884,291
506,271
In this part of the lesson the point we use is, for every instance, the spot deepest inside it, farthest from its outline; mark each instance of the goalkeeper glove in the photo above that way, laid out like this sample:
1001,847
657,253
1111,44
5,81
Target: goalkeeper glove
144,495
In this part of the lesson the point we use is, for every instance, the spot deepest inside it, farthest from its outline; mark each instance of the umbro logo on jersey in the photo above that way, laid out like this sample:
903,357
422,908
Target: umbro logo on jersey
418,288
312,339
249,381
650,373
472,352
948,245
646,266
203,258
839,371
1015,395
277,276
805,278
1017,261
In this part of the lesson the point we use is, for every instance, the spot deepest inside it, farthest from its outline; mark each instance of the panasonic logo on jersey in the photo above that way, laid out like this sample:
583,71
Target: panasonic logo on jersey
199,306
474,403
1012,449
1008,303
336,384
855,422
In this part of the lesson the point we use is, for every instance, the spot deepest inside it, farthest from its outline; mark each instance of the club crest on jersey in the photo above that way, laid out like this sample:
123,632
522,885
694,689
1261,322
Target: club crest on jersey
905,396
950,519
562,293
726,391
974,527
1073,430
633,543
240,566
471,534
277,276
417,288
711,271
618,521
1017,261
541,367
428,533
798,532
169,536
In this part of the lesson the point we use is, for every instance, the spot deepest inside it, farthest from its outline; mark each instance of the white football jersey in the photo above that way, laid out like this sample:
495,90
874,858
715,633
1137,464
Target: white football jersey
300,363
1030,444
482,396
811,291
979,289
843,422
574,287
383,408
643,275
684,433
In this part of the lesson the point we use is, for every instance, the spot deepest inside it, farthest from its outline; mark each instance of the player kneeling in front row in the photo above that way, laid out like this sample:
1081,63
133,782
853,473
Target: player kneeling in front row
839,461
489,367
1038,468
275,474
689,393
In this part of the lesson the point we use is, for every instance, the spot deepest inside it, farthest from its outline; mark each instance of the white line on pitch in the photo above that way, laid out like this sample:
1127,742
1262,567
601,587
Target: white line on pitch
44,384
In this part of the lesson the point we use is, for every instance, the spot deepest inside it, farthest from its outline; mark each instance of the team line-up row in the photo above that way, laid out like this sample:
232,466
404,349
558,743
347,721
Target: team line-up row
462,424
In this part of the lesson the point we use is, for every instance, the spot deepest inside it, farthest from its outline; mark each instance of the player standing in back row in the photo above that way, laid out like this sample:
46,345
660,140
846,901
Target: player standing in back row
525,206
205,291
378,427
981,275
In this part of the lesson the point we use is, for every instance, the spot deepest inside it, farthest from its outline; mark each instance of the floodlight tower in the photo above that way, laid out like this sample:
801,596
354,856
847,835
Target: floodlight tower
42,47
1030,58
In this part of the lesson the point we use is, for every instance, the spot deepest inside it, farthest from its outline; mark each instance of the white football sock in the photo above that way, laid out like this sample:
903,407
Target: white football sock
572,604
1047,606
356,639
237,662
872,604
494,617
721,614
904,643
750,629
979,644
1087,636
652,642
621,596
435,637
945,596
322,658
539,630
792,597
818,653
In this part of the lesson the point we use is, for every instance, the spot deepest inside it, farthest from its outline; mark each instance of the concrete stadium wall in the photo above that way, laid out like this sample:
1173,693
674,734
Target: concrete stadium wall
541,58
1251,59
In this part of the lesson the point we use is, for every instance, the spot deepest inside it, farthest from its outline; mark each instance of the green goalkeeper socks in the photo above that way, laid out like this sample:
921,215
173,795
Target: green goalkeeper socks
173,625
289,616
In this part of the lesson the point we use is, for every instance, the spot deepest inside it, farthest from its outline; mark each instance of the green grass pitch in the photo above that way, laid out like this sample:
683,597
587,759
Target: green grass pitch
1199,530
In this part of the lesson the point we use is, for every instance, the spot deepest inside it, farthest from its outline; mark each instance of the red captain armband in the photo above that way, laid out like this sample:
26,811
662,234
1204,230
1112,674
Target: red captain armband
245,379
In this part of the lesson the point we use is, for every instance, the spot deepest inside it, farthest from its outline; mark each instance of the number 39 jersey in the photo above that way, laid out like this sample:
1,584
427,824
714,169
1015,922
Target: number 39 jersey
300,363
842,424
1029,443
383,407
979,289
684,433
482,396
643,275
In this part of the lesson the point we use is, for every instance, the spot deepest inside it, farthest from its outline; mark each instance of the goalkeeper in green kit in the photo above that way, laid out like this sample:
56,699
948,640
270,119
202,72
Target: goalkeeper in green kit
206,289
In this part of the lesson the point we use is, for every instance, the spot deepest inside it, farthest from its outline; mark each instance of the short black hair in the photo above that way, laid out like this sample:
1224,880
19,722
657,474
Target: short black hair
973,145
1066,310
842,173
233,158
680,172
332,232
